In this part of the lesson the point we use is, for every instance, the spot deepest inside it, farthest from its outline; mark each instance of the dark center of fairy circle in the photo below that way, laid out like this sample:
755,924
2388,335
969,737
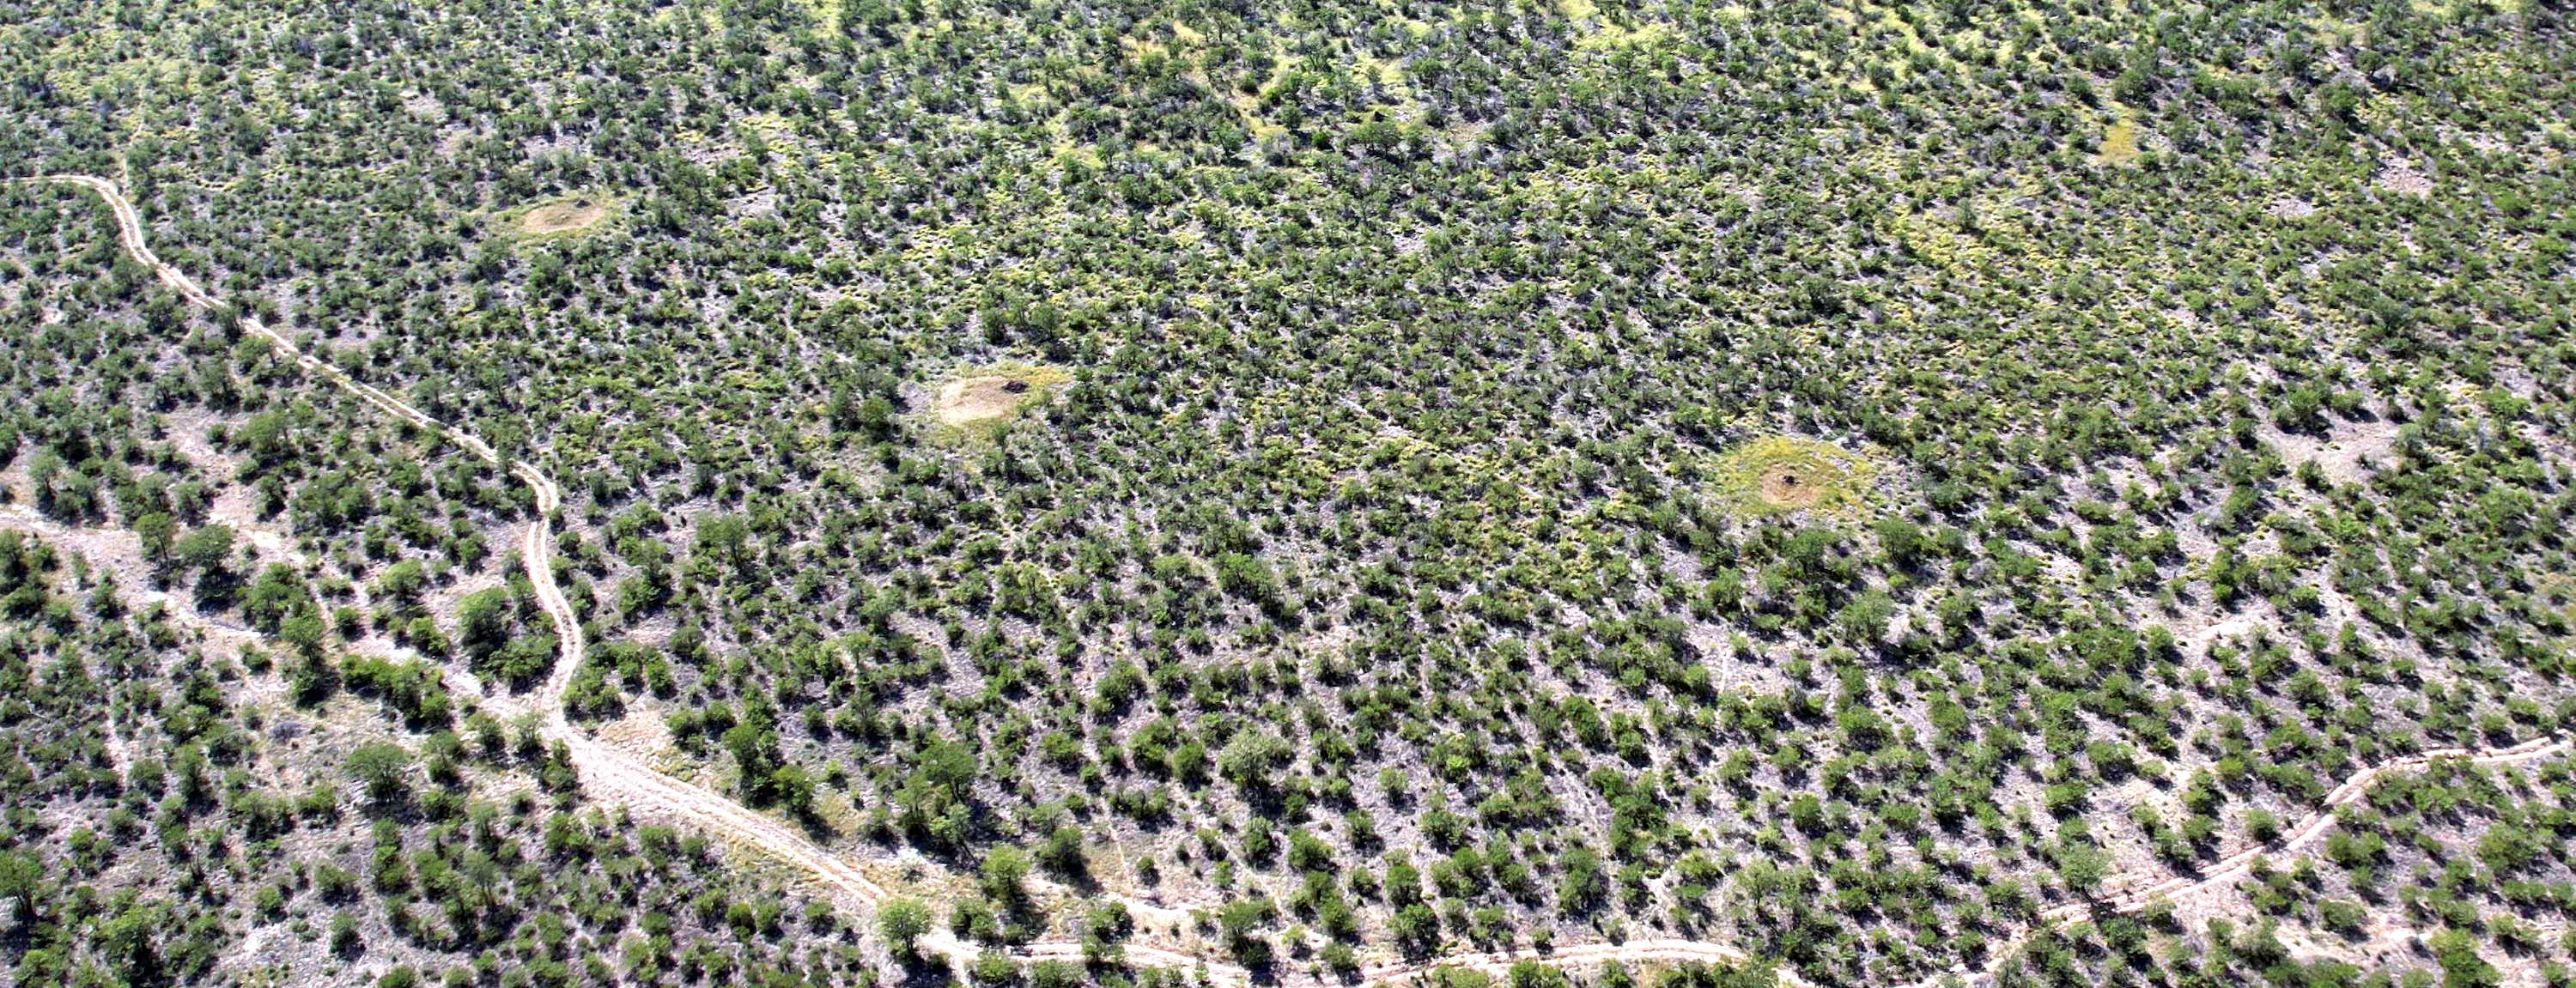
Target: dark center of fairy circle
581,203
1015,386
1790,479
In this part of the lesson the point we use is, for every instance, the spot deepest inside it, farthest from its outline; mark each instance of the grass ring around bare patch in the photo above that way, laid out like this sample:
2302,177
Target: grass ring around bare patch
568,215
981,400
1790,486
1776,474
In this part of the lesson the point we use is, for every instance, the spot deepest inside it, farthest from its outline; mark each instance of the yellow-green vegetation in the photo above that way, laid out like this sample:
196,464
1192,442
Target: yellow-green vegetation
1616,36
978,401
570,214
2120,142
2458,8
1766,423
2555,594
1788,473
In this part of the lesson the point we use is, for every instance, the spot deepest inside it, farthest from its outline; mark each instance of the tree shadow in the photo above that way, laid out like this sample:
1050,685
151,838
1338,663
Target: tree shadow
925,972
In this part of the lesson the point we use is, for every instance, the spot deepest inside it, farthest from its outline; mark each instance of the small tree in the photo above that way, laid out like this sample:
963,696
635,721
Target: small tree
22,879
204,550
903,921
159,533
1103,929
483,622
1254,758
1062,852
379,766
1005,868
1242,920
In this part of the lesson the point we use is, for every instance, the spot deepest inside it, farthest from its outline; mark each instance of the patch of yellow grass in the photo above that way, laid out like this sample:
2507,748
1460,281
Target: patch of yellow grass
2433,8
1615,36
1084,152
985,398
1778,474
2120,142
564,215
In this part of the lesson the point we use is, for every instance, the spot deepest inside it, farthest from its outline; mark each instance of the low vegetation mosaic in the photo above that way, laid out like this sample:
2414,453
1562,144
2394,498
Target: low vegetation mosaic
1328,489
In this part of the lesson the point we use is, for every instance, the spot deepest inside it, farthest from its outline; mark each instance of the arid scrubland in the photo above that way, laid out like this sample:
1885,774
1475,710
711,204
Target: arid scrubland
1826,493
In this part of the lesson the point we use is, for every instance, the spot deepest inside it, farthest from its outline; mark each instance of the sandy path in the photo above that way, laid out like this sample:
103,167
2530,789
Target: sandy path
612,774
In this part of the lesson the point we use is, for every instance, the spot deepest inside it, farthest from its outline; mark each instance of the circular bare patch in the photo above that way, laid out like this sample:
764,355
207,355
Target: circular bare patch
980,399
1787,473
1784,485
569,214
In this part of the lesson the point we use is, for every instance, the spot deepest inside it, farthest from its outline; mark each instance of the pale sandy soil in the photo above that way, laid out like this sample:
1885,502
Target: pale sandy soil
971,400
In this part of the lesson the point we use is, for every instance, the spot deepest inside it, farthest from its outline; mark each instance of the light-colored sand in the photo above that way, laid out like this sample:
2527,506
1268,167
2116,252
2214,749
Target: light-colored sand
579,212
967,401
2401,177
2290,207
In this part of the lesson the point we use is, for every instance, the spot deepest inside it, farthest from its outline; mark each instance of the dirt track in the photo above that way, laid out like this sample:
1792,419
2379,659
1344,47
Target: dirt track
609,774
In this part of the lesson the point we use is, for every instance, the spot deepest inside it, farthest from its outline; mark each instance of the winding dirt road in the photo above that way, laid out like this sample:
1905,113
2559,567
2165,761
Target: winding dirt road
610,774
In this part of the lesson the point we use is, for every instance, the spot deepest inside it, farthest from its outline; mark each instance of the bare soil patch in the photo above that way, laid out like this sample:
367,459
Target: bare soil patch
575,213
988,396
980,399
2290,208
641,733
2350,452
1784,485
2401,177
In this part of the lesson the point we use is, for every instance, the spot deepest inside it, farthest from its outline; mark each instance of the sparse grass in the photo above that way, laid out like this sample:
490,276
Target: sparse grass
1616,36
1406,439
1786,473
978,401
571,214
2119,142
2556,593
